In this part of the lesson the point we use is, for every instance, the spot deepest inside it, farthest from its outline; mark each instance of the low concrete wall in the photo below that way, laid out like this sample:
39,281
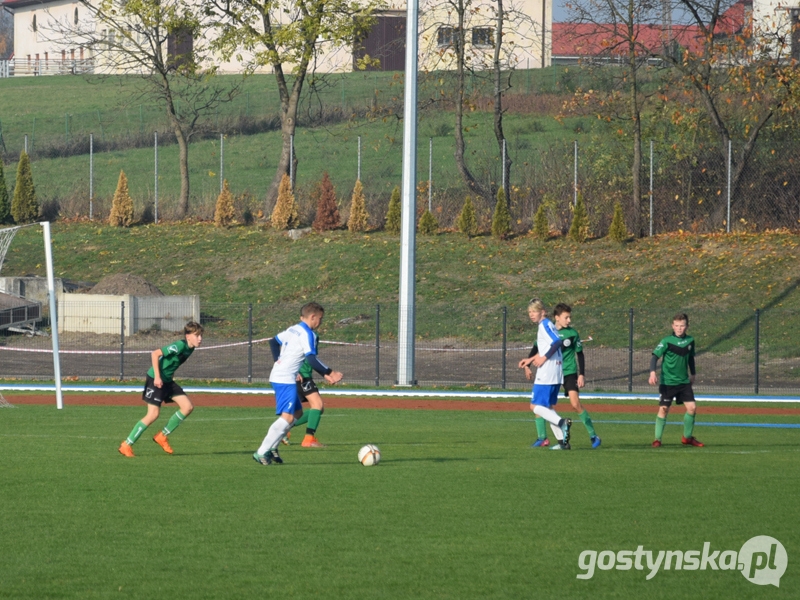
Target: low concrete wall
31,288
97,313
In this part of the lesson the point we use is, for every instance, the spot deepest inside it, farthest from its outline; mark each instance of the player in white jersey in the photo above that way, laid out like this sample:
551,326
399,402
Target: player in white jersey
549,375
289,349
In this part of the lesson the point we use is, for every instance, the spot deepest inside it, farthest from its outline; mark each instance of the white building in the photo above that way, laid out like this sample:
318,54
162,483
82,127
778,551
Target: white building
526,37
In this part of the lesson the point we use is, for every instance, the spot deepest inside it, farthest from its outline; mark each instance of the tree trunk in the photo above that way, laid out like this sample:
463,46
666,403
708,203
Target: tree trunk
498,103
290,100
636,167
463,169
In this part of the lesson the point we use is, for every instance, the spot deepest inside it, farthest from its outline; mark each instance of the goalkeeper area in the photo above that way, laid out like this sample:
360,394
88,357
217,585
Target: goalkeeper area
459,507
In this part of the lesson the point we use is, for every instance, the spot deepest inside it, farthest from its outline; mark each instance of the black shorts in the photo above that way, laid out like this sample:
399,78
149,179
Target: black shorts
570,384
156,396
680,393
305,388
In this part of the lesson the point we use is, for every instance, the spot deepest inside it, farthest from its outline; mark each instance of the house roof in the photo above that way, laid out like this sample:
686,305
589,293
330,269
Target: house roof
597,39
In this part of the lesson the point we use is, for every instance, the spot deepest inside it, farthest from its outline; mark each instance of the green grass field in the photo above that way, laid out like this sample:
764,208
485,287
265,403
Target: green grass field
459,507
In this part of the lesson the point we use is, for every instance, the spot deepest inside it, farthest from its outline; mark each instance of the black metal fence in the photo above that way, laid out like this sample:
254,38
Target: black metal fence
739,351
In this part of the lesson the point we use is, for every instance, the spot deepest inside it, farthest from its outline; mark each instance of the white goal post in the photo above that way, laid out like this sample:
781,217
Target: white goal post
6,235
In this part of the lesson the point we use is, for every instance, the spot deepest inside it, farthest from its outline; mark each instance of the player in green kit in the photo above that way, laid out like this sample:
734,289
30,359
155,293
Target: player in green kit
573,366
308,391
159,388
677,376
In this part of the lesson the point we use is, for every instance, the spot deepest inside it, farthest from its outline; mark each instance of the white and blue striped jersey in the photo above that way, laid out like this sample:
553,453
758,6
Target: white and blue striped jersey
550,373
297,342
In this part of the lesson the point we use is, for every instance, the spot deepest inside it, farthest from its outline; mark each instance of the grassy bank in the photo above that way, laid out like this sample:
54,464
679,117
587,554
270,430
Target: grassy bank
462,284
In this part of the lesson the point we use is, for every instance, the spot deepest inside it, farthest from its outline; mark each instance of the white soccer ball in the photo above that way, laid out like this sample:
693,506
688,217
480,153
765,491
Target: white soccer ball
369,455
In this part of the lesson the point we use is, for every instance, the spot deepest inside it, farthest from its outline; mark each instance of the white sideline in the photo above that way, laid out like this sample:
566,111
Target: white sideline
373,393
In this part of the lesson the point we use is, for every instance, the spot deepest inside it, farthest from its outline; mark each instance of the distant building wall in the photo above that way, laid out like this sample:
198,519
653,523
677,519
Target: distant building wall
98,313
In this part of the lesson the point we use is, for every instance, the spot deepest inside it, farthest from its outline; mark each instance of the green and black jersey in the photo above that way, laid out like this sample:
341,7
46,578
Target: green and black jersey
571,346
678,359
306,372
175,355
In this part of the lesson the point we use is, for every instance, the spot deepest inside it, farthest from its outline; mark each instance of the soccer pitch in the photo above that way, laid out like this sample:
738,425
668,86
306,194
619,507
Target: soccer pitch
459,507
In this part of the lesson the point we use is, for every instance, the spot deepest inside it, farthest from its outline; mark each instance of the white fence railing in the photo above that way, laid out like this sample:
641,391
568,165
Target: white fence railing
23,67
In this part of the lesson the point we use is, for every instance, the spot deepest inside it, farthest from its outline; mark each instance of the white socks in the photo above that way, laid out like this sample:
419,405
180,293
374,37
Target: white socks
557,432
274,436
548,414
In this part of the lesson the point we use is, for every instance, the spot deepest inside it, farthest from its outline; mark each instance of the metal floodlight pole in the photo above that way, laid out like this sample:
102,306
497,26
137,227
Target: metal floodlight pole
405,323
51,294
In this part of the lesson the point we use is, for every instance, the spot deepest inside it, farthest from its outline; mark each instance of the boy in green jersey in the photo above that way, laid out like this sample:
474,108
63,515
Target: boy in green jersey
308,391
573,366
159,388
677,377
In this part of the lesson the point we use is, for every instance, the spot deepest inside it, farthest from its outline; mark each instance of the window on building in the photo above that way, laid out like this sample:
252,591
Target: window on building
446,36
75,17
483,37
33,24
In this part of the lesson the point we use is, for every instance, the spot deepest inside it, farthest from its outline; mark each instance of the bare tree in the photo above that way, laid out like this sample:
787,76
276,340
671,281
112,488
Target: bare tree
288,36
160,43
619,31
485,54
739,70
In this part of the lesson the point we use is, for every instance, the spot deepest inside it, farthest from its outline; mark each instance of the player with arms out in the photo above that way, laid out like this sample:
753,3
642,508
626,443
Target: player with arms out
549,375
573,366
677,376
289,349
160,388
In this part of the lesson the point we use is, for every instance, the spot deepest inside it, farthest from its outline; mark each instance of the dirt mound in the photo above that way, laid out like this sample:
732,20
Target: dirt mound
125,283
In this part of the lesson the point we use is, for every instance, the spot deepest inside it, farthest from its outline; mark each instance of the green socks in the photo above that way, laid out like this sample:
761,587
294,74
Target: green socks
541,428
302,420
660,424
587,421
314,416
688,425
173,422
138,430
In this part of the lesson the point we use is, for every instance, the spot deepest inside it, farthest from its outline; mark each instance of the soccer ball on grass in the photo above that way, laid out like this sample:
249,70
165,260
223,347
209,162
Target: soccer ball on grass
369,455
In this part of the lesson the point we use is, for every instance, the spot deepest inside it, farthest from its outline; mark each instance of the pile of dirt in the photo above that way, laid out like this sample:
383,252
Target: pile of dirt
125,283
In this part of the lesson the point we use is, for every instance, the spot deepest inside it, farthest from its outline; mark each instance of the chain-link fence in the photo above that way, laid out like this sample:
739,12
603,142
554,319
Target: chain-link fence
741,351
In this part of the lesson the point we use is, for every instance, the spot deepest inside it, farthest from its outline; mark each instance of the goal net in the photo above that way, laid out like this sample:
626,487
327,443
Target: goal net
16,311
5,403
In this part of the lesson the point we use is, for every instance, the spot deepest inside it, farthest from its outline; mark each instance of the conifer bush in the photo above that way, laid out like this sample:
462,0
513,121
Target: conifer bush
501,220
284,215
24,206
579,229
224,213
541,228
428,225
121,205
618,232
5,207
327,210
467,221
359,218
394,215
